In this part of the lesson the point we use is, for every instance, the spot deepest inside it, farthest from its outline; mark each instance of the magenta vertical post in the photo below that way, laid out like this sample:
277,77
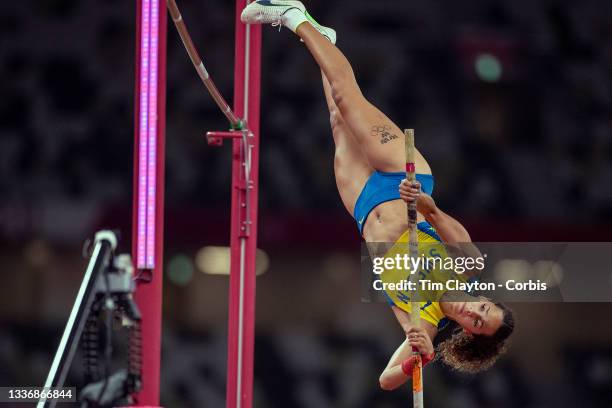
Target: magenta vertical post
148,201
241,321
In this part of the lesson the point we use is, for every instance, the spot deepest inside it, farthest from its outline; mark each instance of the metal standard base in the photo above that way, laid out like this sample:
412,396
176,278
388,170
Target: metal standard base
108,283
104,244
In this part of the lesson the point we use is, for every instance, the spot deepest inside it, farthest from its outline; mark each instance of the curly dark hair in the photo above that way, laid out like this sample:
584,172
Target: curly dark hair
471,353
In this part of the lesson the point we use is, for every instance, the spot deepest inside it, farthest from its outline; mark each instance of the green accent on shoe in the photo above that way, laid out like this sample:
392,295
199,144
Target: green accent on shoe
327,32
311,18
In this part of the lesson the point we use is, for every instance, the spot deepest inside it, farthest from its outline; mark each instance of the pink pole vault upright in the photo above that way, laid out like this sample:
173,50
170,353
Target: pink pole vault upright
245,170
148,203
244,132
244,123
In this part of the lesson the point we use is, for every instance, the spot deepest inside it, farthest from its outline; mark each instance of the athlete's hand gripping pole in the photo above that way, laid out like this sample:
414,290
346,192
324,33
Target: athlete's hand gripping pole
413,252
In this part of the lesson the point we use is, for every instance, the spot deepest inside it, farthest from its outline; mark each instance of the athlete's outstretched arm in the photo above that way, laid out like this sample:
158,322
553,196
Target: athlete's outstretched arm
449,229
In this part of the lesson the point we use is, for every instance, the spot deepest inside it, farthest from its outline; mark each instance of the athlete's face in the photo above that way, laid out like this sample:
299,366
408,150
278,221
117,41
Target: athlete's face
480,316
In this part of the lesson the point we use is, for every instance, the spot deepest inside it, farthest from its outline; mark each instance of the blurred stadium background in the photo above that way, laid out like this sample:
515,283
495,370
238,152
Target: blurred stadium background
512,106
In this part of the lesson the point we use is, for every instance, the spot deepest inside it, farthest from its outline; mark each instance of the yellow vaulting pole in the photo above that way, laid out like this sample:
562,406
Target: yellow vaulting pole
413,252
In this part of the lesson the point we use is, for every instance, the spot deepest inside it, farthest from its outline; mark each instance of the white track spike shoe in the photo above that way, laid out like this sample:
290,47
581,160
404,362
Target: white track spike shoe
275,12
269,11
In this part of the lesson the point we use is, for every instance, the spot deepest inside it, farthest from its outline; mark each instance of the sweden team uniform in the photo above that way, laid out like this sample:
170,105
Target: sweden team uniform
429,246
379,188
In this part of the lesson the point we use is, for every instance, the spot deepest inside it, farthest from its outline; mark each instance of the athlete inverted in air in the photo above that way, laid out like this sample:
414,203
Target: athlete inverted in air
368,166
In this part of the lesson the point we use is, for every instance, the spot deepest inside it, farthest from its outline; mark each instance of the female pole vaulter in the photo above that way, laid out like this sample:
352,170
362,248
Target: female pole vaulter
369,167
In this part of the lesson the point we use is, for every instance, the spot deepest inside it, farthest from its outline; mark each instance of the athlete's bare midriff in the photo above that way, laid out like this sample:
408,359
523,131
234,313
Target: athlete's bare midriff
389,220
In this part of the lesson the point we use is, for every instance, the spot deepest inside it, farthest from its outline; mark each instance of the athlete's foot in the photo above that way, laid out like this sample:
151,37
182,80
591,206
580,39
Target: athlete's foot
290,13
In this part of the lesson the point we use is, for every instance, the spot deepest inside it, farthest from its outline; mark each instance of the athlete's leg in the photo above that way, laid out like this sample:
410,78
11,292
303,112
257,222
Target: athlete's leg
382,141
351,166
